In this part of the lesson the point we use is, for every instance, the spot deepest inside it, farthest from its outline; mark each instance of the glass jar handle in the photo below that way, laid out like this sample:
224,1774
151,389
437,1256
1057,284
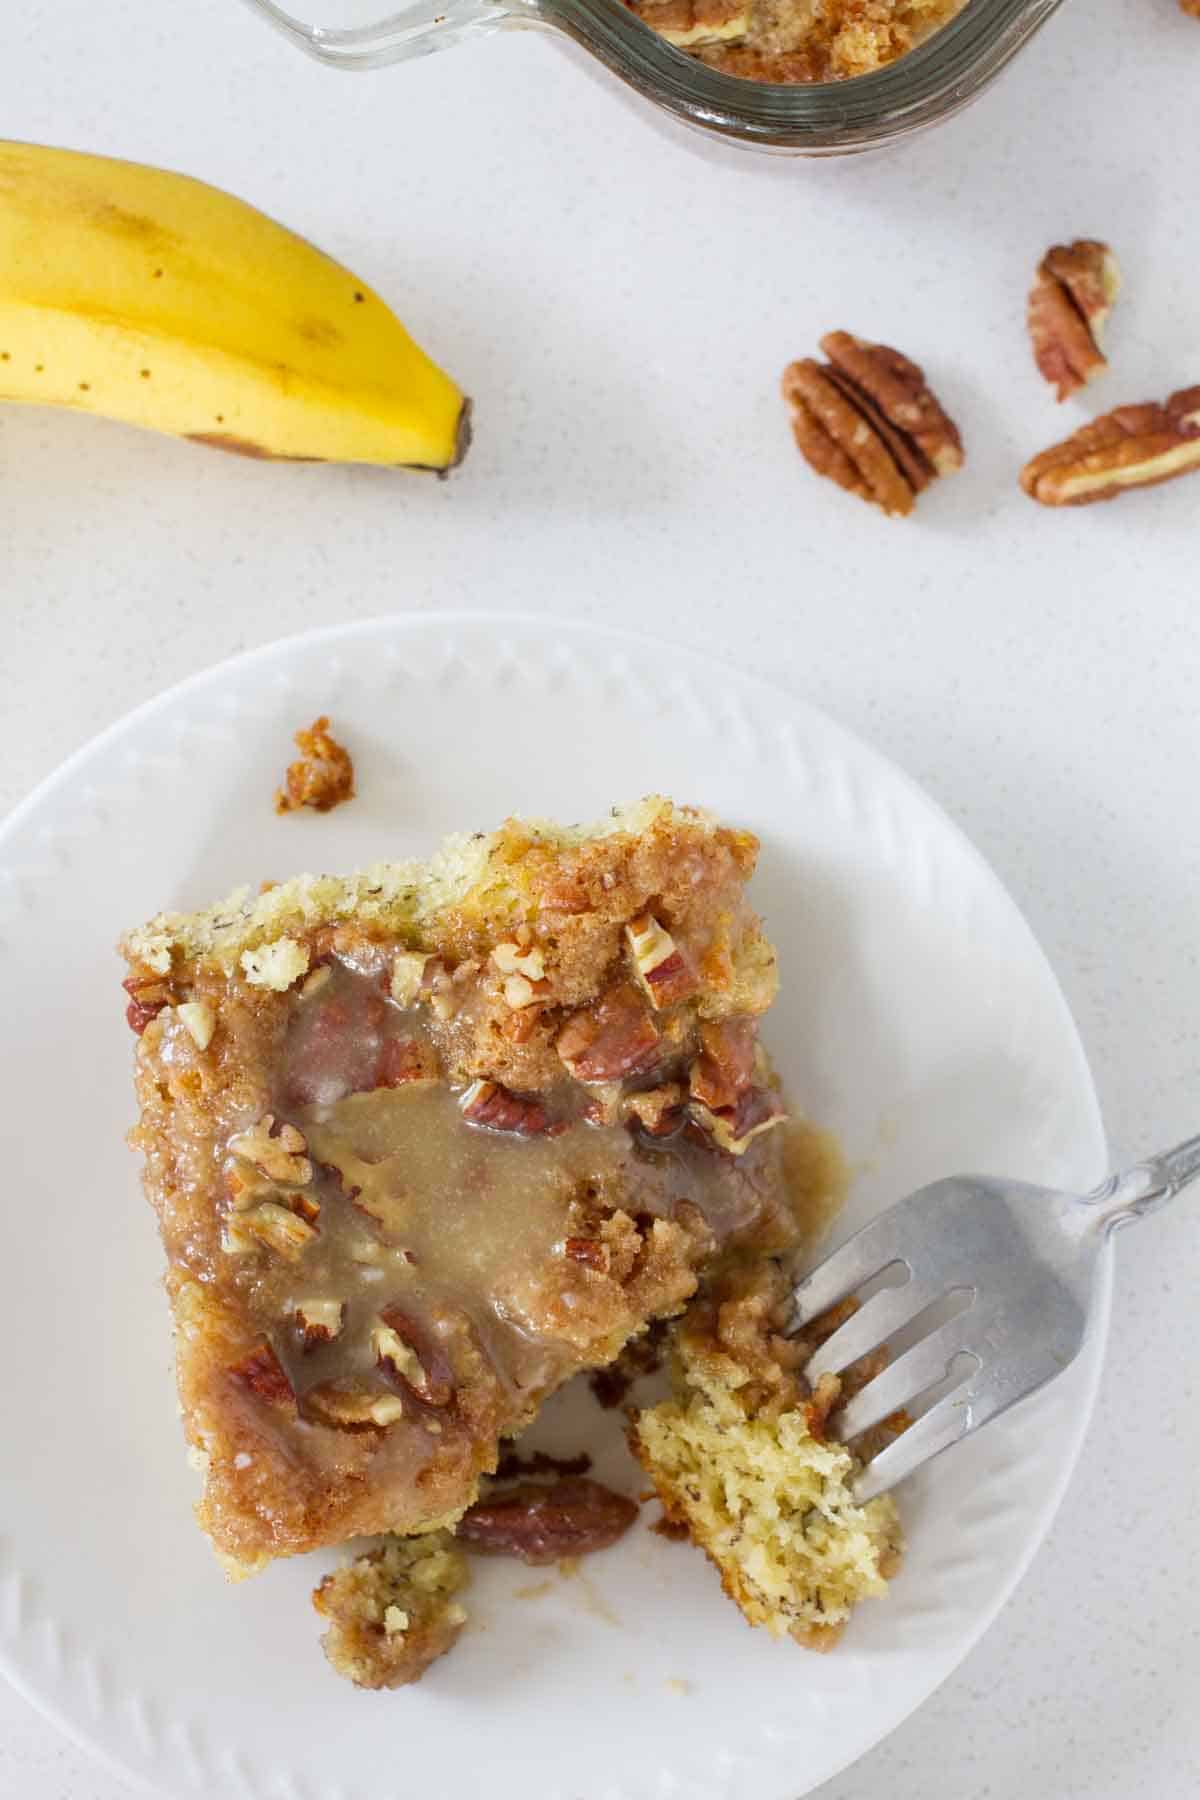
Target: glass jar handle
349,41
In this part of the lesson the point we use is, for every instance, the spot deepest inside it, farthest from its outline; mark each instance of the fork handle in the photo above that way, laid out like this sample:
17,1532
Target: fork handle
1129,1195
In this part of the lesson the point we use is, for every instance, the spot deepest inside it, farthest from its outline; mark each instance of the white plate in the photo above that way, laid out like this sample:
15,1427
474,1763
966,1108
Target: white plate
918,1019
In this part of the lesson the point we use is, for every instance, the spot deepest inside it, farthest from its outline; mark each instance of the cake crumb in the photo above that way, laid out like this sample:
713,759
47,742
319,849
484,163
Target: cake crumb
321,777
393,1612
674,1685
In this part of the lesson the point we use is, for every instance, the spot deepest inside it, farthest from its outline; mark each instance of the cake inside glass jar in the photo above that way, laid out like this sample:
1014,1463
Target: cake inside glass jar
793,41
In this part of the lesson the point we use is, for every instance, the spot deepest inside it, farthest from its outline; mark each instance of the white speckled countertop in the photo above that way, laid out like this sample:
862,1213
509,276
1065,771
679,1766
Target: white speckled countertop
621,310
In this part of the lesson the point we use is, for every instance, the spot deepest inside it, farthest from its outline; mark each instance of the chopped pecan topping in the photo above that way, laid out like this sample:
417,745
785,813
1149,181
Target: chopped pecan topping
306,1206
408,1353
323,775
732,1128
262,1373
273,1226
437,987
614,1037
662,968
276,1153
588,1251
520,992
402,1060
319,1322
1135,446
488,1104
725,1067
148,994
199,1021
352,1406
868,421
540,1524
659,1110
1069,305
510,959
521,1024
408,973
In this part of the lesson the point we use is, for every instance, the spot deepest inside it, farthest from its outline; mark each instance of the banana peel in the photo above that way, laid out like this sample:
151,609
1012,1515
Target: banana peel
146,296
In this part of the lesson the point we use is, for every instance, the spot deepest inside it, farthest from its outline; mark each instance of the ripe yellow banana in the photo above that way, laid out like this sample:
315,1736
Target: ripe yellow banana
153,298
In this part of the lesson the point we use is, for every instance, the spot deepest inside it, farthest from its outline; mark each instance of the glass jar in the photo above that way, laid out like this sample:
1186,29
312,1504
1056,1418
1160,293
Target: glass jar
814,119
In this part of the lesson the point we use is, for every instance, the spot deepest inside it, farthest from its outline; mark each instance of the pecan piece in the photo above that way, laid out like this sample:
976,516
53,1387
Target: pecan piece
277,1152
352,1406
1134,446
659,1110
724,1069
540,1524
318,1322
261,1372
510,959
614,1037
406,1353
273,1226
588,1251
1069,304
488,1104
402,1060
731,1128
868,421
323,775
661,966
148,994
199,1021
408,974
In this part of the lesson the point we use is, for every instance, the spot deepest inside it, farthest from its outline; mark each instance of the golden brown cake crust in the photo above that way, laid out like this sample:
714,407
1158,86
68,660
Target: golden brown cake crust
355,1333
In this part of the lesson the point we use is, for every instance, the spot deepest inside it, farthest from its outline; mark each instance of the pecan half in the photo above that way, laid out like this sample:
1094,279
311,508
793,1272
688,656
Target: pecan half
539,1524
614,1037
1069,304
1135,446
261,1372
323,775
868,421
407,1353
488,1104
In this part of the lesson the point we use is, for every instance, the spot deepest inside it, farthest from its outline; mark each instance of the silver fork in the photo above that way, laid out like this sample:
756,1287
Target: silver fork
983,1290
